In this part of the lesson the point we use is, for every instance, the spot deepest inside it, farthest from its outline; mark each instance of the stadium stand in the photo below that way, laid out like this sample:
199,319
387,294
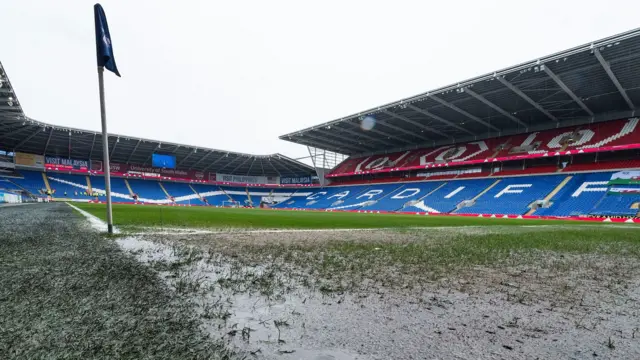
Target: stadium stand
488,145
32,182
617,133
182,193
446,197
70,186
577,197
512,195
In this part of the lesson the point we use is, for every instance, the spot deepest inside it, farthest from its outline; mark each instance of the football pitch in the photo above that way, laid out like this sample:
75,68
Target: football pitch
210,217
260,278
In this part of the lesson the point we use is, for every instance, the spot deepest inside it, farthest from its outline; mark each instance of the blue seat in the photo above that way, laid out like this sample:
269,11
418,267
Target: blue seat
514,195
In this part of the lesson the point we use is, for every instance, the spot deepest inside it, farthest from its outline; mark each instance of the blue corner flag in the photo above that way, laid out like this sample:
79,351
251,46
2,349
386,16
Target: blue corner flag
104,48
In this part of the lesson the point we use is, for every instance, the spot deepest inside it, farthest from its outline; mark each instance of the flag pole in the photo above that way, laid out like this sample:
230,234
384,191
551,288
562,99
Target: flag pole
105,149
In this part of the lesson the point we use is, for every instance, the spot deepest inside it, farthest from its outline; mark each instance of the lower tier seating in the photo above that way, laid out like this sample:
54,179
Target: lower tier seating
560,194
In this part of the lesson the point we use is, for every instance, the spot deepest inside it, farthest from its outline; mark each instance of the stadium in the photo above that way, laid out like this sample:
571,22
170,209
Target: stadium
480,203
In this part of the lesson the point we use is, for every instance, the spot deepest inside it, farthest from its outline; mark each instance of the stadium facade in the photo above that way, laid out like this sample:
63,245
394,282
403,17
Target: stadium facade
557,136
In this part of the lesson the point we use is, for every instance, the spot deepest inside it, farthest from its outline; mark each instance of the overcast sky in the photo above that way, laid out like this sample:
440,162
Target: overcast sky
235,75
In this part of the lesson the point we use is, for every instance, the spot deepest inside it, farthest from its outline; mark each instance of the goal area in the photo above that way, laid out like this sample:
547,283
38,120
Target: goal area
231,203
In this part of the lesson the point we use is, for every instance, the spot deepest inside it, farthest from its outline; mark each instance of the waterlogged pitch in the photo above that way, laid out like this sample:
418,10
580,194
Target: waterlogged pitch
271,284
209,217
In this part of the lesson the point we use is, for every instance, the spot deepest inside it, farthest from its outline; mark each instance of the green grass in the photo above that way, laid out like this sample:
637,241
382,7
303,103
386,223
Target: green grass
207,217
69,293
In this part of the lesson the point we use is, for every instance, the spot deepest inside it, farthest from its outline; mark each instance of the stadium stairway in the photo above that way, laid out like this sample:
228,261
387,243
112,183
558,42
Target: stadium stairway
70,187
249,196
553,193
445,198
46,182
164,190
131,192
512,195
181,193
89,184
578,196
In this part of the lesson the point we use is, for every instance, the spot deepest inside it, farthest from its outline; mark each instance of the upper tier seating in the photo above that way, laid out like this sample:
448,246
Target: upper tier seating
585,137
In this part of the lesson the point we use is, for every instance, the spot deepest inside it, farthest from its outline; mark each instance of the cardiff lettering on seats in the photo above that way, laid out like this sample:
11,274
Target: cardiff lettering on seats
586,187
406,193
316,195
454,192
513,189
340,195
371,194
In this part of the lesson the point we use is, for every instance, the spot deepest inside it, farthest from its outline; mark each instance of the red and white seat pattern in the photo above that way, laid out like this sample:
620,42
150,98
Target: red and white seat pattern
607,136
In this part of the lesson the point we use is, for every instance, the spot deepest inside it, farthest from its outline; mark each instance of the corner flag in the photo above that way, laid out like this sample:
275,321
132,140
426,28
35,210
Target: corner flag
104,48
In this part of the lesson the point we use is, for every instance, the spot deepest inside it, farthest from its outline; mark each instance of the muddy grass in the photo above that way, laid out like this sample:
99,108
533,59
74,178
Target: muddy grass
461,293
67,293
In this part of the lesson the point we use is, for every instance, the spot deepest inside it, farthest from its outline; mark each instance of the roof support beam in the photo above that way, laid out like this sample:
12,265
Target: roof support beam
92,145
309,141
345,138
251,166
134,150
284,165
274,168
19,130
526,98
185,158
215,162
27,139
415,123
472,117
434,116
231,162
494,106
46,145
566,89
201,159
7,107
614,79
378,131
339,145
242,163
262,165
113,148
397,128
361,134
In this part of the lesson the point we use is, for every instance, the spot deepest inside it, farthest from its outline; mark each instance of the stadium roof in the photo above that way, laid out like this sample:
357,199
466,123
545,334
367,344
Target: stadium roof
21,133
594,82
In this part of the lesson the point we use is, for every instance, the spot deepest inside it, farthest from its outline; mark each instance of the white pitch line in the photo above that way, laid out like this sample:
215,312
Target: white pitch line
95,222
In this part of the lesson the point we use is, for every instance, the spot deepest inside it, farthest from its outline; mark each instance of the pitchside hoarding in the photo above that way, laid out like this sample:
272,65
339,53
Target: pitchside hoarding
117,168
31,160
301,180
246,179
60,163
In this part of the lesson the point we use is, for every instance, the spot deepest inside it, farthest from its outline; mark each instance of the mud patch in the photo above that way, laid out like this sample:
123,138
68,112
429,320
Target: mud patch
356,295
